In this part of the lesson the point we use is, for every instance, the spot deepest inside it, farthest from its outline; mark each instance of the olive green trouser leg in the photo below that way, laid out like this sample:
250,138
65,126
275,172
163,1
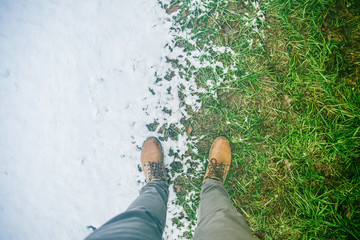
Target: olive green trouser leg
217,217
144,219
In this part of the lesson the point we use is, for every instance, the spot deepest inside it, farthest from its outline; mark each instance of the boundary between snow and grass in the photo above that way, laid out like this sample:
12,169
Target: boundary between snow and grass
179,91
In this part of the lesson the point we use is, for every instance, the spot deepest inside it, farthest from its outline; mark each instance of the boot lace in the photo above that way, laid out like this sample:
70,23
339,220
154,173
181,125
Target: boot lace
156,171
216,170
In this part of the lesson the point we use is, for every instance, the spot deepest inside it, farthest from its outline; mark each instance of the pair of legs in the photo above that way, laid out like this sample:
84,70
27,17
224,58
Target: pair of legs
145,217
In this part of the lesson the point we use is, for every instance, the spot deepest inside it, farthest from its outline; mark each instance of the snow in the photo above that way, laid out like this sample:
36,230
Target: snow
75,99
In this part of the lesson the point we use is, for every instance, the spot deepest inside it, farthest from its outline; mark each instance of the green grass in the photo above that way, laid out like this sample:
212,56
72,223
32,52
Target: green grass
290,106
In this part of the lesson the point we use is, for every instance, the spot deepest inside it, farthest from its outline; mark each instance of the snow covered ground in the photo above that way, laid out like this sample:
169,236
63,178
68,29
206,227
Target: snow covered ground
74,101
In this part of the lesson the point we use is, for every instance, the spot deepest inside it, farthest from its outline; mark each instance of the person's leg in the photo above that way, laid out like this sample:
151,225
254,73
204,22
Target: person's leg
217,217
146,216
144,219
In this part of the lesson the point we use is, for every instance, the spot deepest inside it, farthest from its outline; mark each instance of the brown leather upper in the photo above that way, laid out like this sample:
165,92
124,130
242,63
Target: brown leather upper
152,160
219,160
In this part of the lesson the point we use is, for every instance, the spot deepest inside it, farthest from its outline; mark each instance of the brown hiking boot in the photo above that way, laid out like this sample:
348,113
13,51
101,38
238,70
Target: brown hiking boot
152,161
219,160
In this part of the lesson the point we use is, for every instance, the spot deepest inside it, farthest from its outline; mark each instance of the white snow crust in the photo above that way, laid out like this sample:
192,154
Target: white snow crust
74,104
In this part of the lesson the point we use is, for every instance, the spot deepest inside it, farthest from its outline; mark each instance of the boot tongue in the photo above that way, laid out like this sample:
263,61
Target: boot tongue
217,170
157,172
